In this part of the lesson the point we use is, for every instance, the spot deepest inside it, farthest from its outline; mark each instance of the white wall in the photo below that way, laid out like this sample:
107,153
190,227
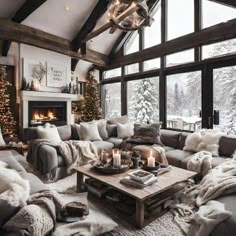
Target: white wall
34,54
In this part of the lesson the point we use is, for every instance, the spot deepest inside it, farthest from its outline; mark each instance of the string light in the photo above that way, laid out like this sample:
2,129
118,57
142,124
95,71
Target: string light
7,122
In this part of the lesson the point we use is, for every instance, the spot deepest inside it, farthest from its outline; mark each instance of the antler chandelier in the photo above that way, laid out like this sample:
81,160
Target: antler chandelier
129,15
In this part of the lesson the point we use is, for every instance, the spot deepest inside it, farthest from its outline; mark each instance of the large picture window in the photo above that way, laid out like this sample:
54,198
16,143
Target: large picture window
112,73
111,100
180,18
215,13
133,44
225,98
143,100
180,57
152,35
184,101
218,49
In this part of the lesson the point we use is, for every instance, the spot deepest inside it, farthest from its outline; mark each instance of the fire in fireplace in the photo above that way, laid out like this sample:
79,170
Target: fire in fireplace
41,112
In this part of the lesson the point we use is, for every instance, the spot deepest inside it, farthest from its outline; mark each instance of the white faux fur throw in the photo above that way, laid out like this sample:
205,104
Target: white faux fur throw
207,217
13,188
77,153
200,162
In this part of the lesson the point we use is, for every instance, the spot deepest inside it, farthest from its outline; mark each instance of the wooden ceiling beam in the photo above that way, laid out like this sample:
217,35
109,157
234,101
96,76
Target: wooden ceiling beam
88,27
26,9
15,32
219,32
229,3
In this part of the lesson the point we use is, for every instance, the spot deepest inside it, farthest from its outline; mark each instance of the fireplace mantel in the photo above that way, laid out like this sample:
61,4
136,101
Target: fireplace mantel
34,95
27,96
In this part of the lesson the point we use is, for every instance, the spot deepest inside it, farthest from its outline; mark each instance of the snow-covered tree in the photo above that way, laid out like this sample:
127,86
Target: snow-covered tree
145,102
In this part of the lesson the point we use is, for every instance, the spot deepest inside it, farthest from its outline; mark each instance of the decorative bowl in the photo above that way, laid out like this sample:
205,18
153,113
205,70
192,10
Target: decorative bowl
109,169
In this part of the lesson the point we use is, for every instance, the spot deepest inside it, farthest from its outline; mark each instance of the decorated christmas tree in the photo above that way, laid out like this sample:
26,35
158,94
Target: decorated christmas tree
91,105
7,122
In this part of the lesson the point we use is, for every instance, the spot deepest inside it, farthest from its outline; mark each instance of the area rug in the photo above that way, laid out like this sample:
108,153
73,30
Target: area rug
163,226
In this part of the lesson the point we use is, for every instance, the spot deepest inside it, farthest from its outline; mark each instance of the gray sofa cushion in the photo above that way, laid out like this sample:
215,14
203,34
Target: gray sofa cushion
112,130
61,161
7,156
65,132
103,145
175,157
227,145
116,141
167,148
170,138
227,227
182,139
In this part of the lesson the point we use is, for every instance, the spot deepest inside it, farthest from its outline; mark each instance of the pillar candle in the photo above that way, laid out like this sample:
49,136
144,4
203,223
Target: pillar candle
151,160
116,160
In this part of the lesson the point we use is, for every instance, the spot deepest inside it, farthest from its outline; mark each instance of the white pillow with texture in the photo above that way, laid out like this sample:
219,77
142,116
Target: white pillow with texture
125,130
192,141
210,142
2,142
49,132
88,131
102,128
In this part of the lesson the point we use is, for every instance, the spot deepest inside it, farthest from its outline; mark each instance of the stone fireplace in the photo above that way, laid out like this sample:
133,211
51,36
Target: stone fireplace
38,108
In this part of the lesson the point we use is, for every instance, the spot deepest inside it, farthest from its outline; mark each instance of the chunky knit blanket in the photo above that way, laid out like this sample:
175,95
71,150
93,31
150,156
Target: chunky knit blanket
192,206
74,152
38,218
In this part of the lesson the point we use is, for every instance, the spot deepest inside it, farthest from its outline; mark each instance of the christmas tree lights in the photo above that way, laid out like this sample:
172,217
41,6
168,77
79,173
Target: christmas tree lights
7,122
91,106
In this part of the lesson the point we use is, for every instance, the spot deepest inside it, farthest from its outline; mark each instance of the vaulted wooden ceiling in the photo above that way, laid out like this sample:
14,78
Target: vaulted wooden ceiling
62,27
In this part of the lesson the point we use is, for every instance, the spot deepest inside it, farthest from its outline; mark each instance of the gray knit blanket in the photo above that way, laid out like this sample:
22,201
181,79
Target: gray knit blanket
75,153
39,217
193,208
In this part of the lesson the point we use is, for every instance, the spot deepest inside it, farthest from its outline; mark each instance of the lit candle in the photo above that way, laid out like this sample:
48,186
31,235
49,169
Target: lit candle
151,160
116,159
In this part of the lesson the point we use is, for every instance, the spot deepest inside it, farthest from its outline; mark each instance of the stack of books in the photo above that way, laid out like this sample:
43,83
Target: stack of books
139,179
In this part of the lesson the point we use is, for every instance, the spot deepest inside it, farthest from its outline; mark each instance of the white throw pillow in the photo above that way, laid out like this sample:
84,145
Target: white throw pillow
49,132
192,141
102,128
2,142
125,130
210,142
88,131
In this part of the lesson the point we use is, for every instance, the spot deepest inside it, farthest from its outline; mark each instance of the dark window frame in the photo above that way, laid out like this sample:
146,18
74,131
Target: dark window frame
206,67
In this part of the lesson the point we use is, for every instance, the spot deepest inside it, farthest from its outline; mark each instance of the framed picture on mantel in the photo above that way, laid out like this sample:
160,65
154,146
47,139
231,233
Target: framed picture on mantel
56,76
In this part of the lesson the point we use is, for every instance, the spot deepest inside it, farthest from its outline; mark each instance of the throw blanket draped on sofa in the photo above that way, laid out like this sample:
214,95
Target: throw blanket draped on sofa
219,181
200,162
75,153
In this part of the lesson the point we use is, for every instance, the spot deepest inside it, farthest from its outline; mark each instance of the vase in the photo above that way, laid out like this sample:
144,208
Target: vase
35,85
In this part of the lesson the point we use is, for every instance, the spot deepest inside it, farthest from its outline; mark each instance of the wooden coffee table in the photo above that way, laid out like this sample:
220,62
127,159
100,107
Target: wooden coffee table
168,184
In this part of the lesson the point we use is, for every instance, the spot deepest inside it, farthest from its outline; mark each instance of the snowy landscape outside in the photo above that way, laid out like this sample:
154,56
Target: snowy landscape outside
183,89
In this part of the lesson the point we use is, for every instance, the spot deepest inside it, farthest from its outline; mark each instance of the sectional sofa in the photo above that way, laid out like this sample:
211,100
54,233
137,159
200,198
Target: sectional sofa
173,142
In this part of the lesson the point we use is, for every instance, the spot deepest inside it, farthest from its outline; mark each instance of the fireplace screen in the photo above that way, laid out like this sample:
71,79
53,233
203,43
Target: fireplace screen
41,112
